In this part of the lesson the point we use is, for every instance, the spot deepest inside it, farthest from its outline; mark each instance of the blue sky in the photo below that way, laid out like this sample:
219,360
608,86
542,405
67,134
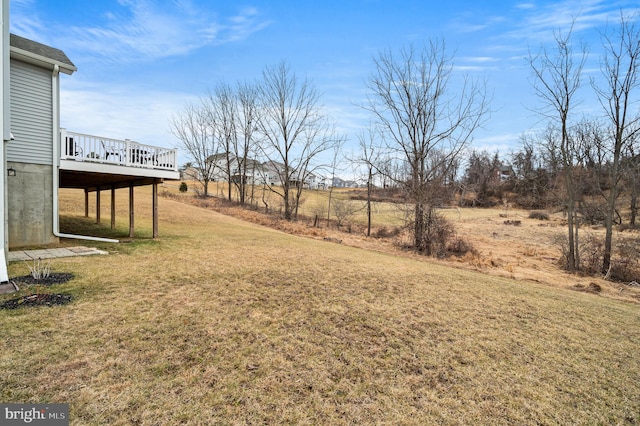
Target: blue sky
140,61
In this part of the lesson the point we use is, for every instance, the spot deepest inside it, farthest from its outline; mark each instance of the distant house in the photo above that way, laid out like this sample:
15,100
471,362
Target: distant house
253,172
504,173
190,173
337,182
217,163
313,181
41,157
272,173
246,170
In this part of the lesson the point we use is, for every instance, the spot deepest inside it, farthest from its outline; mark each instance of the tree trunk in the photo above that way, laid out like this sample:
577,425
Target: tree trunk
369,206
419,228
576,240
608,237
286,201
571,255
634,204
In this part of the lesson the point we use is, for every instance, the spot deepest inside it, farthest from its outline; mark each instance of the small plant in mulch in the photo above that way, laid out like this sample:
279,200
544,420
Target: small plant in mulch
40,269
40,277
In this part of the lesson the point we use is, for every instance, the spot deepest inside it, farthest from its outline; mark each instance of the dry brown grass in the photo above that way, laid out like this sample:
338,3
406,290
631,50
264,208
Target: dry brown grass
528,251
224,322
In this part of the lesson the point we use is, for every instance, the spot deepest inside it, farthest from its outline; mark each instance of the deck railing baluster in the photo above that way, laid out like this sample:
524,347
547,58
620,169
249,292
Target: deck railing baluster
127,153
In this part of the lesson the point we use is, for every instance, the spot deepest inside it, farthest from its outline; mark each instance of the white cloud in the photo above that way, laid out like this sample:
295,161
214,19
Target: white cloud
148,30
112,112
539,23
525,5
479,59
499,142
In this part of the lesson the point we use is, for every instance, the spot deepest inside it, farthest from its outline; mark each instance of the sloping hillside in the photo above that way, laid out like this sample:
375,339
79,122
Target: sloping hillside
225,322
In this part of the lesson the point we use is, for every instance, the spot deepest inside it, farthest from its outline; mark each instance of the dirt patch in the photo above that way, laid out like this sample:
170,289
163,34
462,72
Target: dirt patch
592,288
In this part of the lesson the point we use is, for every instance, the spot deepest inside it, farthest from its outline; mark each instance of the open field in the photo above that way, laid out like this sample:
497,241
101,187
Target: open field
221,321
508,242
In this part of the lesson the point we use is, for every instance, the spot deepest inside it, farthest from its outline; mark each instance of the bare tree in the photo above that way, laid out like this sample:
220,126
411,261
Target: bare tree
294,129
620,67
333,167
531,179
631,166
221,109
245,144
426,123
192,128
556,79
370,159
233,114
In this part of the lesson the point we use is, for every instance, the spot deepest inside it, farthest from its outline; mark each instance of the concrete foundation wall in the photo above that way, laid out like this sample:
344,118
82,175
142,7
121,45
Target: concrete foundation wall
30,205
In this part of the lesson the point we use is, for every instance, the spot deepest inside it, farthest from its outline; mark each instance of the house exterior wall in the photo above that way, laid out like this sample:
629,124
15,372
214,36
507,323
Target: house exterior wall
30,202
30,191
31,114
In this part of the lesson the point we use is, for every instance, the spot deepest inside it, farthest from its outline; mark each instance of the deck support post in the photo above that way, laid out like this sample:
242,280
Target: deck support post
86,202
113,207
155,209
131,212
98,205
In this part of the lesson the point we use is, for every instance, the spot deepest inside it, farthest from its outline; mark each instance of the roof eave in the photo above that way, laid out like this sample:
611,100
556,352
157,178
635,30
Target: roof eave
41,61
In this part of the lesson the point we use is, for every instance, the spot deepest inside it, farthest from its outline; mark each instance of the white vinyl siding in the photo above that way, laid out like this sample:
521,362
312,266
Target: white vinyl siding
31,115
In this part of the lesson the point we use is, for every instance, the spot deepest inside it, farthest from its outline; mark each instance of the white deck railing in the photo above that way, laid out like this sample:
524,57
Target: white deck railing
97,149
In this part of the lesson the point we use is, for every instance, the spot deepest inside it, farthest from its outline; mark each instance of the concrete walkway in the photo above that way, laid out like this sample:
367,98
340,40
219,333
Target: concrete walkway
20,255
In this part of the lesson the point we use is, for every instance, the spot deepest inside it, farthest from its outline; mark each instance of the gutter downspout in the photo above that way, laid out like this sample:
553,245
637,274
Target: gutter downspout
5,135
56,164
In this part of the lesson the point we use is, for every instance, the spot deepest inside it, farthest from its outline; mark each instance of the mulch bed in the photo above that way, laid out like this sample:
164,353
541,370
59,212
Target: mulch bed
39,299
53,278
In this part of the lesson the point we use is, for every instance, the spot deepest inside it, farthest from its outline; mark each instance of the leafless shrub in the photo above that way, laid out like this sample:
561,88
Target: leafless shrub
441,239
626,227
530,202
344,211
385,232
199,193
438,232
593,214
537,214
563,245
459,246
591,251
625,266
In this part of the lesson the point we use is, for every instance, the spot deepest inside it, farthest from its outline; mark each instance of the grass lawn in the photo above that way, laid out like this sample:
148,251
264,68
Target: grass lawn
224,322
